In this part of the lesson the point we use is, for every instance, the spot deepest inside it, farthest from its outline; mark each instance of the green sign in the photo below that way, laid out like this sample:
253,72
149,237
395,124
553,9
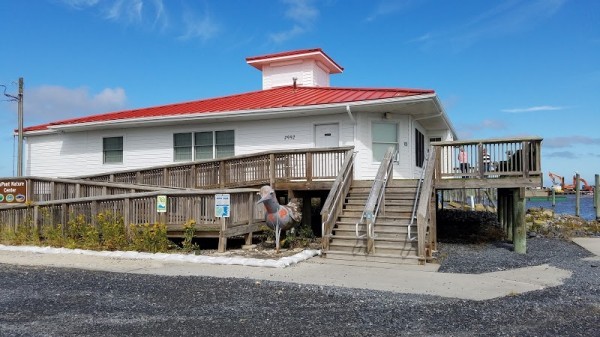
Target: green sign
161,204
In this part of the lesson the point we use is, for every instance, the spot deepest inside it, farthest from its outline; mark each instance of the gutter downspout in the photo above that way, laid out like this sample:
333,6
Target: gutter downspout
350,113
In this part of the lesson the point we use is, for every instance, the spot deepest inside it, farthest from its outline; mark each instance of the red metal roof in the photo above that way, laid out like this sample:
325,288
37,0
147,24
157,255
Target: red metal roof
282,97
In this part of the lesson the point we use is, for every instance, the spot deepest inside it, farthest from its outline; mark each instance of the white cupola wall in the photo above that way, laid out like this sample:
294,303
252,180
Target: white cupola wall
308,67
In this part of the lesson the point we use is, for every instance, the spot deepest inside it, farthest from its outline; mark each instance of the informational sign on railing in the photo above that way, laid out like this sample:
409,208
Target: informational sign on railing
161,204
222,205
13,191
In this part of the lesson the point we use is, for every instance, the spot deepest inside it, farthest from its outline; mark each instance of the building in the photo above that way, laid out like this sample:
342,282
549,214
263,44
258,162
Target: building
296,108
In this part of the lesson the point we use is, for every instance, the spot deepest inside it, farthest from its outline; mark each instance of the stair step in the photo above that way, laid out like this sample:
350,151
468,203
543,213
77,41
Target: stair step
357,207
393,183
387,217
378,225
406,202
372,258
380,247
397,238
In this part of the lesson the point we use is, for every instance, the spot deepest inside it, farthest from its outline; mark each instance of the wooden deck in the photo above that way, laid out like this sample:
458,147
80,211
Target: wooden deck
302,169
513,163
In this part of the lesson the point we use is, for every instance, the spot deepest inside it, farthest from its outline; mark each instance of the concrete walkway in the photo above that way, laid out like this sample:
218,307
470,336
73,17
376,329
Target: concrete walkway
321,272
591,244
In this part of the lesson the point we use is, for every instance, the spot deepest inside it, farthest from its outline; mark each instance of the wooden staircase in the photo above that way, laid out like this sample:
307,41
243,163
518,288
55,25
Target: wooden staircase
391,244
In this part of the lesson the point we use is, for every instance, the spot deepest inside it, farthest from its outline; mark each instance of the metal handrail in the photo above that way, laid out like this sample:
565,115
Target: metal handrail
376,194
417,194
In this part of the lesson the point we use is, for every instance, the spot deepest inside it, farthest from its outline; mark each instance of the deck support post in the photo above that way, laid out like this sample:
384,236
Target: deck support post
596,196
500,209
520,227
577,194
510,214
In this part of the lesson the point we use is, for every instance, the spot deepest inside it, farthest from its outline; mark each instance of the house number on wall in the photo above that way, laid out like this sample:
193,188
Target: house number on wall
289,137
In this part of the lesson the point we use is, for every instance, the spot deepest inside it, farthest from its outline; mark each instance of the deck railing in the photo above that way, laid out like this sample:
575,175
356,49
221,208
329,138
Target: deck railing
333,205
426,226
141,208
376,198
305,165
490,158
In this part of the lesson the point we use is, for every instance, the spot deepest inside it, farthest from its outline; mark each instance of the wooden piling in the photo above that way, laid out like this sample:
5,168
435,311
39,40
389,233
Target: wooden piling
510,211
577,194
596,197
500,209
553,197
520,227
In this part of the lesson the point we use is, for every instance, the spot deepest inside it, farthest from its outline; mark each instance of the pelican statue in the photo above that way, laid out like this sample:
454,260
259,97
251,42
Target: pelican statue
279,217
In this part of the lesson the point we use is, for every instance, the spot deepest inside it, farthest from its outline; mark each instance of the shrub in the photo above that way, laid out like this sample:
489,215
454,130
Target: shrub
149,238
53,235
189,230
112,231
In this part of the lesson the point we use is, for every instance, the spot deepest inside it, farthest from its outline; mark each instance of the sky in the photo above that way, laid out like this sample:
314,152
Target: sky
501,68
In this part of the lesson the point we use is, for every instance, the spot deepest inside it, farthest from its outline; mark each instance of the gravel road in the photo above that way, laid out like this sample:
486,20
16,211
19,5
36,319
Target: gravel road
36,301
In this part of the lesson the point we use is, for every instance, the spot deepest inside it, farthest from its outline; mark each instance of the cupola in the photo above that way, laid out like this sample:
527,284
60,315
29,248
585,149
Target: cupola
306,67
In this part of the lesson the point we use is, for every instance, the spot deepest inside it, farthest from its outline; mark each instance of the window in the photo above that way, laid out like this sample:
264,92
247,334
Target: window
419,148
224,144
435,139
182,147
203,145
384,135
112,149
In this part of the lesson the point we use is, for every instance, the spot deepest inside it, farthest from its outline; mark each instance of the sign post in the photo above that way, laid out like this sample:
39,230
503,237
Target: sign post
13,191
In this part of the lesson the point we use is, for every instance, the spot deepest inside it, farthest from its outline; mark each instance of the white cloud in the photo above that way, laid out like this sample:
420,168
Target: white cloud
421,39
301,11
50,103
387,7
130,9
562,154
286,35
506,19
568,141
485,124
534,109
303,15
199,27
79,4
139,12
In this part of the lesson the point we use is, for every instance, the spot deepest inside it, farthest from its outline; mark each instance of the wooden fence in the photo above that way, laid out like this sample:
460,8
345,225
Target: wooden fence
269,168
140,208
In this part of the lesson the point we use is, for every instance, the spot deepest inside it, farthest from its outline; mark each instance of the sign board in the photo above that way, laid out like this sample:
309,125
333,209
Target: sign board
222,205
13,191
161,203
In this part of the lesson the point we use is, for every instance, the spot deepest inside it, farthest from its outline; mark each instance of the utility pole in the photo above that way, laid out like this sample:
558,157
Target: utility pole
19,100
20,111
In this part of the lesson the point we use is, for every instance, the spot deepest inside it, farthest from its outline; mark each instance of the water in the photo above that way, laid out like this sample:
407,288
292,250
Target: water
567,206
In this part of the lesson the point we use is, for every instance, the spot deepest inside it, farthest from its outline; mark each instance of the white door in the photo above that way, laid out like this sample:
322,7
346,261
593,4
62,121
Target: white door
327,135
326,165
